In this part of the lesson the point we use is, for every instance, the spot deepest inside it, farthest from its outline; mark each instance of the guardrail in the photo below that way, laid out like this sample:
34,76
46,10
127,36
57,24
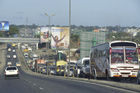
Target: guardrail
20,40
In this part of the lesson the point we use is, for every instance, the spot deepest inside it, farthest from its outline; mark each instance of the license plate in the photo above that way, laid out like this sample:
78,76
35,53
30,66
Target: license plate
124,75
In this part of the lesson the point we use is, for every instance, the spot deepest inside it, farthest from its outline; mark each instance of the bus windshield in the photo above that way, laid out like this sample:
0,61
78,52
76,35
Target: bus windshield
131,55
117,55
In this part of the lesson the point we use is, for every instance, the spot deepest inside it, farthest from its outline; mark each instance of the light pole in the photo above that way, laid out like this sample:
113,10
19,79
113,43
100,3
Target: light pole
48,43
69,34
49,22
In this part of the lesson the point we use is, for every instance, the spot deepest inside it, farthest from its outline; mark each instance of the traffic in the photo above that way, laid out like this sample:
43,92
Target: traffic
116,60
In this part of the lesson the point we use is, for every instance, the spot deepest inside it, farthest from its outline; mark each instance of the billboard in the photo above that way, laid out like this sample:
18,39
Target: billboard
44,35
4,26
60,37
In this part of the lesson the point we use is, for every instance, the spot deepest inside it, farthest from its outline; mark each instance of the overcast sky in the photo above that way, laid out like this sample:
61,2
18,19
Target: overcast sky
84,12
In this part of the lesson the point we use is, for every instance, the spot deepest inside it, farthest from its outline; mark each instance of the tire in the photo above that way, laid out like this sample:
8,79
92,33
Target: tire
138,81
107,75
94,74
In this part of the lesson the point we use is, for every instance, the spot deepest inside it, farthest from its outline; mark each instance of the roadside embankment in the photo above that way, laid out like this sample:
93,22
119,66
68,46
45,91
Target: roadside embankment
2,57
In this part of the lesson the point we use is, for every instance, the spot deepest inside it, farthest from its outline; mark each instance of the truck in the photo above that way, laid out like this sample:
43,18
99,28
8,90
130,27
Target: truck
83,67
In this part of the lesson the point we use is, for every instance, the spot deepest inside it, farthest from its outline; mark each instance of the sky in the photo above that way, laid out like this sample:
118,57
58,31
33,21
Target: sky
83,12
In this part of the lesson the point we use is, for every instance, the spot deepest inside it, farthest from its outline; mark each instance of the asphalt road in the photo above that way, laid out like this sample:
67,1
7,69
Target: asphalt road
37,84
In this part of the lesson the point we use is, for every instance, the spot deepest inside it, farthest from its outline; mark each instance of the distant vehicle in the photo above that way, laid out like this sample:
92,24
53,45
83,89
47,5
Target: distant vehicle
8,56
44,70
11,71
60,67
52,70
13,45
25,55
9,49
114,59
9,63
14,56
29,49
83,67
13,50
34,56
18,64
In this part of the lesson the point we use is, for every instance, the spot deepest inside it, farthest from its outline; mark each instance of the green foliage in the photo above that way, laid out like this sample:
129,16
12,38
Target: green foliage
74,37
137,38
119,36
13,30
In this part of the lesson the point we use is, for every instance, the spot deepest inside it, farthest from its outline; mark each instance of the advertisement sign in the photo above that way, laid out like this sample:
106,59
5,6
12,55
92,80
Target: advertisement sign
44,34
4,26
59,37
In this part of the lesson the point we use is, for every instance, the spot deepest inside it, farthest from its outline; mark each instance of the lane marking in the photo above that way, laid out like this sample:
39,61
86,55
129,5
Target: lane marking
34,84
41,88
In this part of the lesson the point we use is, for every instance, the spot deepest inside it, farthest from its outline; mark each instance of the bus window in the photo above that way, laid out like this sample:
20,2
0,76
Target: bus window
131,55
117,55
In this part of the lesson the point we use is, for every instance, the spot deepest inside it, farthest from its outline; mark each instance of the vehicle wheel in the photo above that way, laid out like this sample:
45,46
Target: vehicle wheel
107,76
94,75
138,81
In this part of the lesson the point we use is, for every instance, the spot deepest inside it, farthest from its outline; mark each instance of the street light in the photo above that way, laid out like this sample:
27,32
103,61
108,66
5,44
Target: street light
47,44
69,34
49,22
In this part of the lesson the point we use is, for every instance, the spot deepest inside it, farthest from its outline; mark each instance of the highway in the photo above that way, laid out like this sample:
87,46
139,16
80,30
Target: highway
37,84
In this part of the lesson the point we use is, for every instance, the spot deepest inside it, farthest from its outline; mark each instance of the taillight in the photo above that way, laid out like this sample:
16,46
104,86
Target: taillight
138,49
110,51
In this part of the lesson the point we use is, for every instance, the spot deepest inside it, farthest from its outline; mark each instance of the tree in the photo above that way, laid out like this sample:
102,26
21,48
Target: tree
137,38
13,30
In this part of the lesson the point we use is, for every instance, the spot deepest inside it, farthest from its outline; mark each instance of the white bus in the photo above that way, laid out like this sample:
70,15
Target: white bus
114,59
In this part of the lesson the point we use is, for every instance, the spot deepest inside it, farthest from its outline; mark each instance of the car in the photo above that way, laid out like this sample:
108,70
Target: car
18,64
9,63
9,49
138,77
8,56
14,56
14,50
11,71
25,55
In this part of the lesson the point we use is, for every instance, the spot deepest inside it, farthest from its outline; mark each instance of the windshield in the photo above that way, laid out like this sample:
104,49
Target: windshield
117,55
131,55
11,68
86,62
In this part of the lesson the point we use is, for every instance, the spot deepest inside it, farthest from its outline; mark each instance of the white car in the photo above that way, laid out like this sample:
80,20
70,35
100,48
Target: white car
9,49
11,71
14,50
14,56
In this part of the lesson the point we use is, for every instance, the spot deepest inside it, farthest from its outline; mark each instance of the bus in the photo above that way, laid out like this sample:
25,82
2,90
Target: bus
118,59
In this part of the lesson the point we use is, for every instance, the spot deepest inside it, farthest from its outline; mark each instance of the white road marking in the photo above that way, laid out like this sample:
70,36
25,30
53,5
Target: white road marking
34,84
41,88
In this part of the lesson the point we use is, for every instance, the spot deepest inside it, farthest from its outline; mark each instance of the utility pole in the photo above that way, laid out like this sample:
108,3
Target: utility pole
69,34
49,23
48,43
